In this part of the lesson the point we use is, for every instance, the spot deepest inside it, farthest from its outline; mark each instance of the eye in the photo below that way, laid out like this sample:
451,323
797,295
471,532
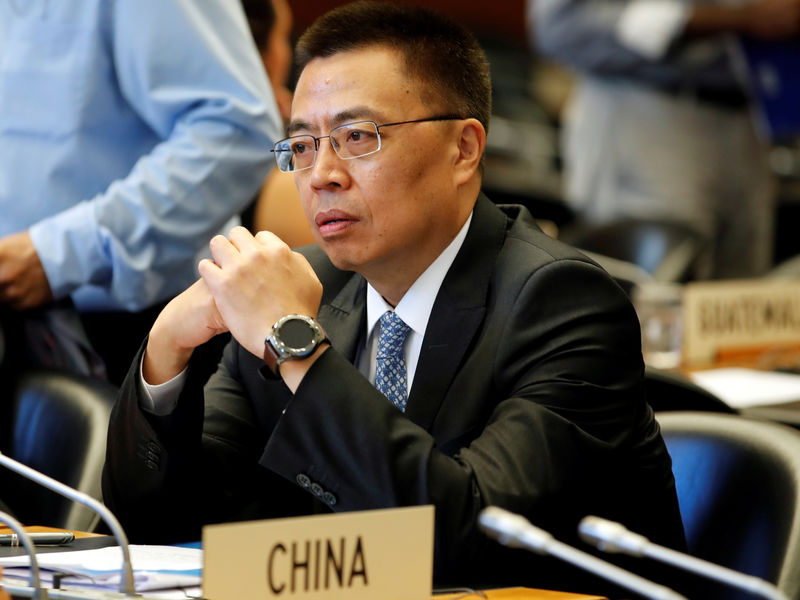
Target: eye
299,148
359,136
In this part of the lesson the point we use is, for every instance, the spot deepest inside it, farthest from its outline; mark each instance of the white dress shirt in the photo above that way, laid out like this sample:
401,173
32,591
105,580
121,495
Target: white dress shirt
414,308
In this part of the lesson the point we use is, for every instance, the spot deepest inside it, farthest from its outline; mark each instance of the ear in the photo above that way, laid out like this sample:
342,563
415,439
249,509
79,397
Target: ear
471,144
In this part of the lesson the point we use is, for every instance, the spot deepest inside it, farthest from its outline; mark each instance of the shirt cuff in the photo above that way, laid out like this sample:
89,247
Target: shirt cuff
68,248
160,399
648,27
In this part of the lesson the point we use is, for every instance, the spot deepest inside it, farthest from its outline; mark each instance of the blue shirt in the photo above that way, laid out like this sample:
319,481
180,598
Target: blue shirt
131,131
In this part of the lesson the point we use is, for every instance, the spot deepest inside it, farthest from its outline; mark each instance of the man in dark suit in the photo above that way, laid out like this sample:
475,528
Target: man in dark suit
518,381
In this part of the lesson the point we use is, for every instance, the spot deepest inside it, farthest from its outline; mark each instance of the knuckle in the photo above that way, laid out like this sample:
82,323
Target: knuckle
265,236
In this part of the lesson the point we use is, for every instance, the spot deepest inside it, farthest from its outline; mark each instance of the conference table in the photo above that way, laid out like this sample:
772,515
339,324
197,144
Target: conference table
779,359
84,541
515,594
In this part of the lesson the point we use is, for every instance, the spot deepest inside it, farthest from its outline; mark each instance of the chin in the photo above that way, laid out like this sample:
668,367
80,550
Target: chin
349,255
340,260
343,265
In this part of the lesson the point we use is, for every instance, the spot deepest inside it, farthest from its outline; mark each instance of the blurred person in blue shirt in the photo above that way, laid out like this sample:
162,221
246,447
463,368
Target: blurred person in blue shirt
131,132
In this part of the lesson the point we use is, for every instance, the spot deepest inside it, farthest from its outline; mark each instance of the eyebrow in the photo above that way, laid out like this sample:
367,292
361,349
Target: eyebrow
357,113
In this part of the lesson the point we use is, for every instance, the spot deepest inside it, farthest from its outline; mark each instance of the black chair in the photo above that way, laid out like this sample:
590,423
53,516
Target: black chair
58,425
738,483
668,250
671,390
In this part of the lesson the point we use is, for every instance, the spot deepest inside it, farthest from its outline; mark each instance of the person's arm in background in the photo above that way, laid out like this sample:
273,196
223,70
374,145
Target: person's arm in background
620,38
192,74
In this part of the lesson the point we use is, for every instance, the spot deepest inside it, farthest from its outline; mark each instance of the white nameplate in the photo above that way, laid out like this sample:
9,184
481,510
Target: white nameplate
371,555
739,314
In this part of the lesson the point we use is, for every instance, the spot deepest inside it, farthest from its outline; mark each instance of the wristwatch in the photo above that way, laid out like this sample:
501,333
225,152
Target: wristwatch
293,337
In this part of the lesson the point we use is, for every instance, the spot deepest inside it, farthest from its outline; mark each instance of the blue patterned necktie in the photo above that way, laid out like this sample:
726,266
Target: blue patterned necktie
390,363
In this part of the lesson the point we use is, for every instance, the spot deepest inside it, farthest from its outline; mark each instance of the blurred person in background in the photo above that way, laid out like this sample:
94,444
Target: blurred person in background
270,24
277,207
659,124
130,133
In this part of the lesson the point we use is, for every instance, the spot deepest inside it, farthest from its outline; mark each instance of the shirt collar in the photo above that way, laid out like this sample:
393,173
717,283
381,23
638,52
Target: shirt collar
416,305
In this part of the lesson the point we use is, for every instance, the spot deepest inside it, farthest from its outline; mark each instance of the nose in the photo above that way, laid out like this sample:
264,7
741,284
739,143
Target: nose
328,169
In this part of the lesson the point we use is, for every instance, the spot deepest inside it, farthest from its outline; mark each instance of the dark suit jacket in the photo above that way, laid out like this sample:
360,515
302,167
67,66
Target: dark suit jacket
528,395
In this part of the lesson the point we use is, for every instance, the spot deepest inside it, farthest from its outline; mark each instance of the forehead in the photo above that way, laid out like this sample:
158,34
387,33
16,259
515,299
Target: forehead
369,83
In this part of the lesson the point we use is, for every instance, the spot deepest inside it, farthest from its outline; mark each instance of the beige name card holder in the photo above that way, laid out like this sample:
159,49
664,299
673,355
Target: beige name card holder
379,554
739,315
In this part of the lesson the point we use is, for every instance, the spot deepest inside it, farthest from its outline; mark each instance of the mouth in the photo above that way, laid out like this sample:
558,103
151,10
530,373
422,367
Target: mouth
332,222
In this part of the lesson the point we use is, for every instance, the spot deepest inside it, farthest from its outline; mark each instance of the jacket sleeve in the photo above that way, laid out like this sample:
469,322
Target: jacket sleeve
167,476
153,479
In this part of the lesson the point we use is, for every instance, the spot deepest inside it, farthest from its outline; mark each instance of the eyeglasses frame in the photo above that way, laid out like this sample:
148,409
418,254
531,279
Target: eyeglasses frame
317,140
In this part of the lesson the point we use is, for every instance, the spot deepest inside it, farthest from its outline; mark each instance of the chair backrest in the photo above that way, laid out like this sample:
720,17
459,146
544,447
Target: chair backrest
58,425
738,483
670,390
668,250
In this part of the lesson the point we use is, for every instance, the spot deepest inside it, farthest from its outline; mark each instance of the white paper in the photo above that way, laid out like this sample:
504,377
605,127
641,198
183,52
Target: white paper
154,567
747,388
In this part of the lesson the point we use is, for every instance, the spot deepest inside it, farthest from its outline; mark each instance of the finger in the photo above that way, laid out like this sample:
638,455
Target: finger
247,245
273,247
267,238
209,272
205,264
241,238
213,281
223,251
204,298
263,248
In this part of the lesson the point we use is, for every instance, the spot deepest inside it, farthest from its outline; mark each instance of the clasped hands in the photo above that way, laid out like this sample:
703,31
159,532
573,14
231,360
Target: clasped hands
251,282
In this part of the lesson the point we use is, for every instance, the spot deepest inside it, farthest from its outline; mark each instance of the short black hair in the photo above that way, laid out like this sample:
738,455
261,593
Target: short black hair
442,54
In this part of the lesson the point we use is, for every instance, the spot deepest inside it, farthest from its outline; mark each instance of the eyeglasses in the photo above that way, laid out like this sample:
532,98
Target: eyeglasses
351,140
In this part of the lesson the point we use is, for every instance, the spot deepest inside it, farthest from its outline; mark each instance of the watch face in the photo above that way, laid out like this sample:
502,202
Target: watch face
296,333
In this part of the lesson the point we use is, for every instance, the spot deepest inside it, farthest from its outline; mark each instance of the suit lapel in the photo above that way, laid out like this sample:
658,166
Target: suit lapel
344,317
457,312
